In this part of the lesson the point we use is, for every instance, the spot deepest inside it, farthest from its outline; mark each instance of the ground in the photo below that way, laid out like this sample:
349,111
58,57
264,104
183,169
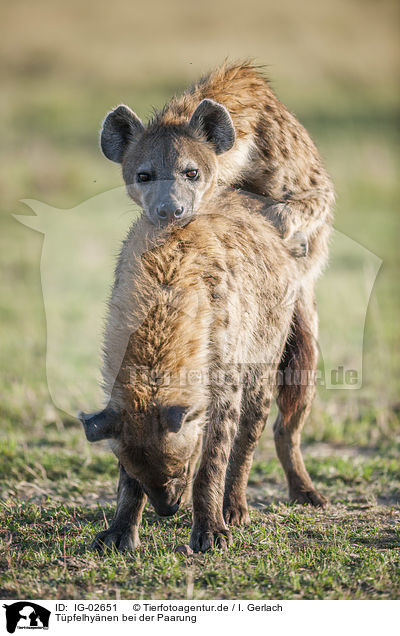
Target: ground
58,492
335,65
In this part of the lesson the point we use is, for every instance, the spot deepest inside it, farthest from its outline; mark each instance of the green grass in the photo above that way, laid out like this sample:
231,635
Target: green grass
287,553
58,493
61,496
335,65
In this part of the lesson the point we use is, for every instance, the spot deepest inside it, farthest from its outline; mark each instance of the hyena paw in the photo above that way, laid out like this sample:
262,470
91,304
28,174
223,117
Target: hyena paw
298,245
236,514
312,497
115,538
207,537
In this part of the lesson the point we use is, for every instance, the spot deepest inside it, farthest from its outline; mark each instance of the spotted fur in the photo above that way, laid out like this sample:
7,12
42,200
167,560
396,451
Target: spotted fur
213,301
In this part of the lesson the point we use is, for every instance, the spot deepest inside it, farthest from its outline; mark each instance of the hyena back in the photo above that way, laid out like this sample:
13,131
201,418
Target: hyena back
196,331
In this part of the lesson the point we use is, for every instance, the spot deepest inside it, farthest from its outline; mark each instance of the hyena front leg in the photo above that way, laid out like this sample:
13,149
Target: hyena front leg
187,493
297,213
209,529
256,405
123,533
295,404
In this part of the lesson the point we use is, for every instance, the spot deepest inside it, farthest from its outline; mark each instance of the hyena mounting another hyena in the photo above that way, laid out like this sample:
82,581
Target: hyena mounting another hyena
207,310
227,131
230,130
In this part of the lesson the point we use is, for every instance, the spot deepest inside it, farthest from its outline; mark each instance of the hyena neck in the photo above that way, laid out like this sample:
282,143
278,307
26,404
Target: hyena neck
143,236
235,166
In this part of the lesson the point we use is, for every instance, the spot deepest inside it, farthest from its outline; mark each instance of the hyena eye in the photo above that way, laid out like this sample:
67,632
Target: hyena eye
192,174
143,176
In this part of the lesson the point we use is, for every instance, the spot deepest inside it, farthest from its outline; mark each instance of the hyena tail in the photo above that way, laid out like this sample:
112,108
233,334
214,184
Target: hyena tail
297,366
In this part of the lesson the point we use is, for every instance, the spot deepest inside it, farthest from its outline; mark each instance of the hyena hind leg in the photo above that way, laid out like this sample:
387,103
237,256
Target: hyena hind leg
255,411
294,402
123,533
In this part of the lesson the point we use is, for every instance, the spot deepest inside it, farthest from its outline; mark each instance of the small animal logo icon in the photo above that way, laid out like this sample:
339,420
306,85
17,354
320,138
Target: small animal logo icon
26,615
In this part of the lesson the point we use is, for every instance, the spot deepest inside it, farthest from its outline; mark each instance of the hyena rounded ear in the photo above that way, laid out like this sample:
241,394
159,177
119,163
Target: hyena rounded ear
120,127
214,121
99,425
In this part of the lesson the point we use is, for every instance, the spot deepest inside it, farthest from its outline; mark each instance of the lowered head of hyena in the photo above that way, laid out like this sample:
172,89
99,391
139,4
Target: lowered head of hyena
155,445
169,169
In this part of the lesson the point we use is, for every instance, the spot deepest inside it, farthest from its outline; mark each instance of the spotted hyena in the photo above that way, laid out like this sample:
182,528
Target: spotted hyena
194,343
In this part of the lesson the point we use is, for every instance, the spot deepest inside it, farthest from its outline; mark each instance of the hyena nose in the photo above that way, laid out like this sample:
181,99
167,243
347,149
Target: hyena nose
169,213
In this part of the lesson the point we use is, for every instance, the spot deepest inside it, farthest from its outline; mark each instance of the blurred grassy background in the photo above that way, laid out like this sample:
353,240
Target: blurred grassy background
63,65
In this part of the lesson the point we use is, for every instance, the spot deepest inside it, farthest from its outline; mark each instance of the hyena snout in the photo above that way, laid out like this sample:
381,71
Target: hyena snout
167,212
166,510
165,503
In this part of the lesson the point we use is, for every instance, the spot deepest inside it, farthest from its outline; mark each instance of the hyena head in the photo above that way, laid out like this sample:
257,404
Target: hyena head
154,446
169,169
